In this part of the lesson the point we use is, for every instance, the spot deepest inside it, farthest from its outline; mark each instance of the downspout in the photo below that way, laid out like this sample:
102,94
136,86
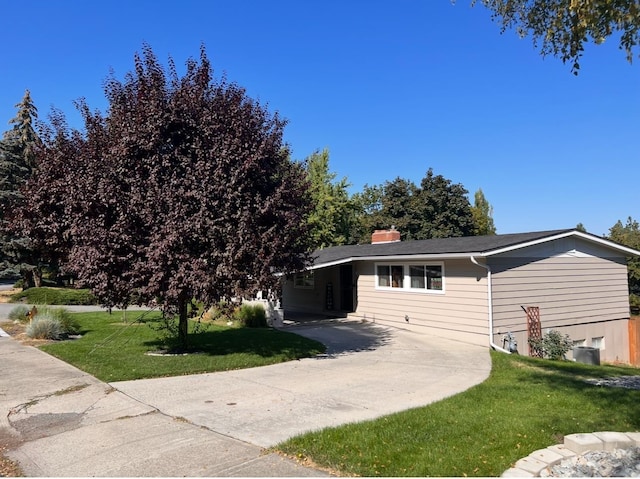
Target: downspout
490,304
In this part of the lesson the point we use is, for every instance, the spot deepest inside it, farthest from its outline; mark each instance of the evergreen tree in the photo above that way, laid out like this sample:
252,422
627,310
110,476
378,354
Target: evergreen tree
629,235
17,161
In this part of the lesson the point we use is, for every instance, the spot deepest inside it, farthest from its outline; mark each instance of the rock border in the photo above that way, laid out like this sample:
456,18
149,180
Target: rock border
574,445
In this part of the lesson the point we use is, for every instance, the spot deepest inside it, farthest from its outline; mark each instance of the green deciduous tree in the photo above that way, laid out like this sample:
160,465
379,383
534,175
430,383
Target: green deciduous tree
444,208
629,235
17,160
332,215
437,208
563,27
184,190
482,212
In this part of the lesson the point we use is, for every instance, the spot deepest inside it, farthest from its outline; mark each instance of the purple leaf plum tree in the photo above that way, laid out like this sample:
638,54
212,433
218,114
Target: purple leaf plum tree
183,190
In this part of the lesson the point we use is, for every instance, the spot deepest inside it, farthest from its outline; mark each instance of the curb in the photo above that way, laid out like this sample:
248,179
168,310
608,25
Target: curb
574,445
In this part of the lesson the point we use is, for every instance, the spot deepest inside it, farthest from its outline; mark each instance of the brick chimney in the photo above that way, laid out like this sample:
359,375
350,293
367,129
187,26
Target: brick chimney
385,236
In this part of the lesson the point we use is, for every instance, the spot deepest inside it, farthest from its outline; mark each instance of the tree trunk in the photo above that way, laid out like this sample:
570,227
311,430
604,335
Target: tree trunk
27,279
183,323
37,277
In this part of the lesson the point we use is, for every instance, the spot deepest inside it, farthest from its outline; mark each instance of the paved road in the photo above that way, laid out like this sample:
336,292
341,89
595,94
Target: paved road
67,423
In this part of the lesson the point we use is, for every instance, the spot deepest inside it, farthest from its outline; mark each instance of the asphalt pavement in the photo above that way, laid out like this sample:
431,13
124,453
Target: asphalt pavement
62,422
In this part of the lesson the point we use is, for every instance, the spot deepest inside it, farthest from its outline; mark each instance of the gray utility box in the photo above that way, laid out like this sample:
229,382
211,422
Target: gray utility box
586,355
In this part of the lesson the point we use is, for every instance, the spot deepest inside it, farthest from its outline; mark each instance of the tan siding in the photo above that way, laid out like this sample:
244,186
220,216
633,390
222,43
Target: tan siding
460,312
310,300
577,295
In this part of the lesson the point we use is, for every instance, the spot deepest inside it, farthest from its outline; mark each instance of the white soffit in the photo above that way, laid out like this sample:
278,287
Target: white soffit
400,257
587,237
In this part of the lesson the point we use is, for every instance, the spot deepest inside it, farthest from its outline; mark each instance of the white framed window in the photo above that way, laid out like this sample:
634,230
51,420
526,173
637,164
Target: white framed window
304,280
417,277
598,342
579,342
390,275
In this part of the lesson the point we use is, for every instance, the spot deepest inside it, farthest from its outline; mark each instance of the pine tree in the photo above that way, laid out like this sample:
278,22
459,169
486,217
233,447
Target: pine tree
17,162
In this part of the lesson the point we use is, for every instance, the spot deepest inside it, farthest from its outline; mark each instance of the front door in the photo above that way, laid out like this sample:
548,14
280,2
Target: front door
346,288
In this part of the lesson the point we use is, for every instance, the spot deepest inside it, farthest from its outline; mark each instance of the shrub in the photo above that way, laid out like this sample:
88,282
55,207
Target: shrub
252,316
19,313
553,345
45,327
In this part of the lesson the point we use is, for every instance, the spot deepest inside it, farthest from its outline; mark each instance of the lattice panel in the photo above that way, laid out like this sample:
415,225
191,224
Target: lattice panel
534,327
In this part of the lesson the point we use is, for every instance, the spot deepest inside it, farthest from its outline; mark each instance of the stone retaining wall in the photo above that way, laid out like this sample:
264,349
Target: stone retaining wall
574,445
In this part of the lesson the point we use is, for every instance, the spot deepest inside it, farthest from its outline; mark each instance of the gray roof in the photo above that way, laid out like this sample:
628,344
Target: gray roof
478,245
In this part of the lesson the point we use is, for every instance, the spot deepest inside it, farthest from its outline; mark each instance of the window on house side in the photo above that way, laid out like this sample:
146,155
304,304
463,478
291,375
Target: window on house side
397,276
410,277
434,277
417,276
304,280
390,276
384,273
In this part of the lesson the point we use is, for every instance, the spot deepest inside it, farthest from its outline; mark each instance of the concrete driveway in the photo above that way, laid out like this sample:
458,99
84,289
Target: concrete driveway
67,423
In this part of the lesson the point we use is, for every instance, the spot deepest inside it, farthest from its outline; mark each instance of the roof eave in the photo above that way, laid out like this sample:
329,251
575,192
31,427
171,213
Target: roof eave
589,237
398,257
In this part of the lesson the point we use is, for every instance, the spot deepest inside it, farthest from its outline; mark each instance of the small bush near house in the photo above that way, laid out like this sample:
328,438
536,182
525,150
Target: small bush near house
19,313
221,311
252,316
553,345
45,327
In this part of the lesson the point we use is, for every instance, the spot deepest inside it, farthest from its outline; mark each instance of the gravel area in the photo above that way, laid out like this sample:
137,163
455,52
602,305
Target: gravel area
616,463
628,382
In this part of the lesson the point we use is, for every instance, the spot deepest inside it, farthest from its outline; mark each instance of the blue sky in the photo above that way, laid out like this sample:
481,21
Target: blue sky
391,88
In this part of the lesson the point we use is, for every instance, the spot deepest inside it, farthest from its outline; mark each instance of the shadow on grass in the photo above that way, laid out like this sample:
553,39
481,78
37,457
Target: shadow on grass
570,379
263,342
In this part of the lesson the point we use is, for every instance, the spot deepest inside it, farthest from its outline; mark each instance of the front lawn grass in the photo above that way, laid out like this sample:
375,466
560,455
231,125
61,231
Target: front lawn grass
525,405
113,348
54,296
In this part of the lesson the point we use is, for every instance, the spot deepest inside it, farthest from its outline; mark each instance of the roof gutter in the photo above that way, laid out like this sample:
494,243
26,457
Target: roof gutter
490,304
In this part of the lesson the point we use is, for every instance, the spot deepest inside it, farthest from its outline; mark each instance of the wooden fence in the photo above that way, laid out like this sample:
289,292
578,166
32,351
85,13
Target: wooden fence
634,340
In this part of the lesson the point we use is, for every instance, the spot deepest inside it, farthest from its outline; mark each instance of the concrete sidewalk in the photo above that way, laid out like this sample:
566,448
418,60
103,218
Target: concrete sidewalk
67,423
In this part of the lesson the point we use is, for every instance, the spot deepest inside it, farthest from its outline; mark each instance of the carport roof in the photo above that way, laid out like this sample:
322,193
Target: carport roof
479,246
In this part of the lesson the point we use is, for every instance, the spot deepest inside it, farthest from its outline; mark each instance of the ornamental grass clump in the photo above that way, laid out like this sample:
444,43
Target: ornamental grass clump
69,324
252,316
45,326
19,313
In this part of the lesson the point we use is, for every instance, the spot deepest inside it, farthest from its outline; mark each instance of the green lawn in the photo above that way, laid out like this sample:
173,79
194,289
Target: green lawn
58,296
113,349
525,405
